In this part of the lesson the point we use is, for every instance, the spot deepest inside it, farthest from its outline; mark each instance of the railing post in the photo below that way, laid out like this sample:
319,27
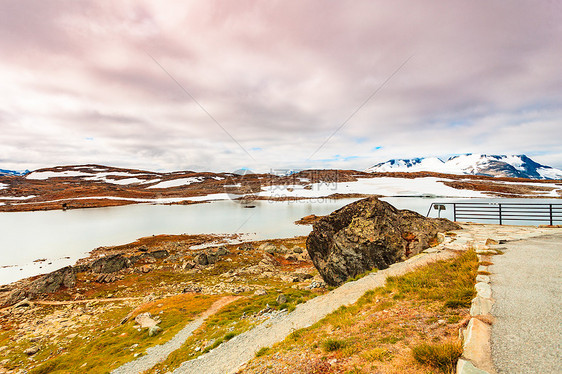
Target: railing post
454,212
550,206
500,207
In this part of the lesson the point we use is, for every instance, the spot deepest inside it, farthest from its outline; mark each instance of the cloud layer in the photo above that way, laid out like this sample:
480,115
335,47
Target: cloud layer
84,82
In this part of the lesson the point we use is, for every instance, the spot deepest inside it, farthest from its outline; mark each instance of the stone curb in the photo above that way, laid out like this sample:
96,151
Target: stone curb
477,351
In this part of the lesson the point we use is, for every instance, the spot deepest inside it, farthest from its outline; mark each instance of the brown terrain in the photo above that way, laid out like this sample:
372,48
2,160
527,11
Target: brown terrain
101,186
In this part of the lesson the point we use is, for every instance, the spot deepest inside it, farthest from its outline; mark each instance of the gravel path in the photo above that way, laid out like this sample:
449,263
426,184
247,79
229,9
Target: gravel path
229,356
158,353
527,287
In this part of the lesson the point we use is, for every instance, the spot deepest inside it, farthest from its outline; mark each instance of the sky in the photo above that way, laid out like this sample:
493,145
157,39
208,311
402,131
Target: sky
223,85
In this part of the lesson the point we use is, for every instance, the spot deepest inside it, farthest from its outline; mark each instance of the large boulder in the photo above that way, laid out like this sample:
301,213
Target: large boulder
369,234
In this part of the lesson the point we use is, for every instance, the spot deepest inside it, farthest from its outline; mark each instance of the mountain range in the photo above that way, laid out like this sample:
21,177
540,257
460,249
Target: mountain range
13,172
514,166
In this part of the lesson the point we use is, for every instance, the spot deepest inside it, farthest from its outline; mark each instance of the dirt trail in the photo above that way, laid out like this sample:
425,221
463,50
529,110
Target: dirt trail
85,301
159,353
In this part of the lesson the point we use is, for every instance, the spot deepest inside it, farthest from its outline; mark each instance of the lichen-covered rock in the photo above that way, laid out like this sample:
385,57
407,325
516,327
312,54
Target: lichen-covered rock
52,282
110,264
159,254
369,234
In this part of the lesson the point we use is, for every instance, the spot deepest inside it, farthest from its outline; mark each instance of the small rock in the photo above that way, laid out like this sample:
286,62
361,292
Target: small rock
192,288
260,292
154,330
281,299
298,249
145,269
492,242
292,258
222,251
482,278
160,254
202,259
246,247
145,320
25,303
31,351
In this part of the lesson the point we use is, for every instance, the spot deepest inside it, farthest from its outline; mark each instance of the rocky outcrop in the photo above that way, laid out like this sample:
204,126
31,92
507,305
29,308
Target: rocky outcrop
110,264
65,277
48,283
369,234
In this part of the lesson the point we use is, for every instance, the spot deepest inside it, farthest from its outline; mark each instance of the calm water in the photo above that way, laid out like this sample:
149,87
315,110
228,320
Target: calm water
62,237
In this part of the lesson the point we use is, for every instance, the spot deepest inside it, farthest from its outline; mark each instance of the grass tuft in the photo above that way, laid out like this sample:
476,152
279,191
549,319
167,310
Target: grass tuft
263,351
331,345
442,356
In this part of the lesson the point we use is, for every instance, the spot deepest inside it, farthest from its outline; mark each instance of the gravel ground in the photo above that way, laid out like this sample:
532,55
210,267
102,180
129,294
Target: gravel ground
527,287
229,356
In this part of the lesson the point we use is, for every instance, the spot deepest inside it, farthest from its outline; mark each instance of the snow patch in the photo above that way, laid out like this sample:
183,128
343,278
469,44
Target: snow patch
17,197
178,182
550,173
3,186
42,175
386,186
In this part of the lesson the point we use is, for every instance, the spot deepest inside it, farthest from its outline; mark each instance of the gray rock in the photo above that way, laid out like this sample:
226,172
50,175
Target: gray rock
246,247
281,299
31,351
110,264
54,281
201,259
483,290
154,330
480,306
145,320
298,249
369,234
222,251
482,278
25,303
159,254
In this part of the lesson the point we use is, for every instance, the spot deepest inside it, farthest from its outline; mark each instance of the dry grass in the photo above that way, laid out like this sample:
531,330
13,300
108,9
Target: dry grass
441,356
109,346
380,332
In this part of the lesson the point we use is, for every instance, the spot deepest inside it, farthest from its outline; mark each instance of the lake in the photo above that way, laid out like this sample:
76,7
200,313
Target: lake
62,237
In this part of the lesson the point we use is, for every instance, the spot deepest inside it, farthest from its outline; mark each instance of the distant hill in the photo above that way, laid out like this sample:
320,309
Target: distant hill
515,166
13,172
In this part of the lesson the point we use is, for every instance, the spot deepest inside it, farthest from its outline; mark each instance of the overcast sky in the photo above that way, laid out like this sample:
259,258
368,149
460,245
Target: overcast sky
110,82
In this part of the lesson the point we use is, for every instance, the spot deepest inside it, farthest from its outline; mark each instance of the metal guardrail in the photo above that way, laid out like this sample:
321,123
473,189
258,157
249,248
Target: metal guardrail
502,212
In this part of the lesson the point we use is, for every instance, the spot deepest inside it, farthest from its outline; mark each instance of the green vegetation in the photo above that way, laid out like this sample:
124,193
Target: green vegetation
111,344
330,345
441,356
387,329
451,281
262,351
233,319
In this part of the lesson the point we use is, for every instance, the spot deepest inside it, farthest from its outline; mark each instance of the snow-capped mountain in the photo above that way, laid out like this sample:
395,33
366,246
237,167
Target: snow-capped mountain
13,172
516,166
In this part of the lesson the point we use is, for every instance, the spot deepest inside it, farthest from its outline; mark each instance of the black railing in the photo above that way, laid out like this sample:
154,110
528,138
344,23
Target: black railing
502,212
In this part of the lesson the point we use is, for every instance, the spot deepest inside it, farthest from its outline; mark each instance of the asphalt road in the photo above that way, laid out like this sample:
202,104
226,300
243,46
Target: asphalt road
527,287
